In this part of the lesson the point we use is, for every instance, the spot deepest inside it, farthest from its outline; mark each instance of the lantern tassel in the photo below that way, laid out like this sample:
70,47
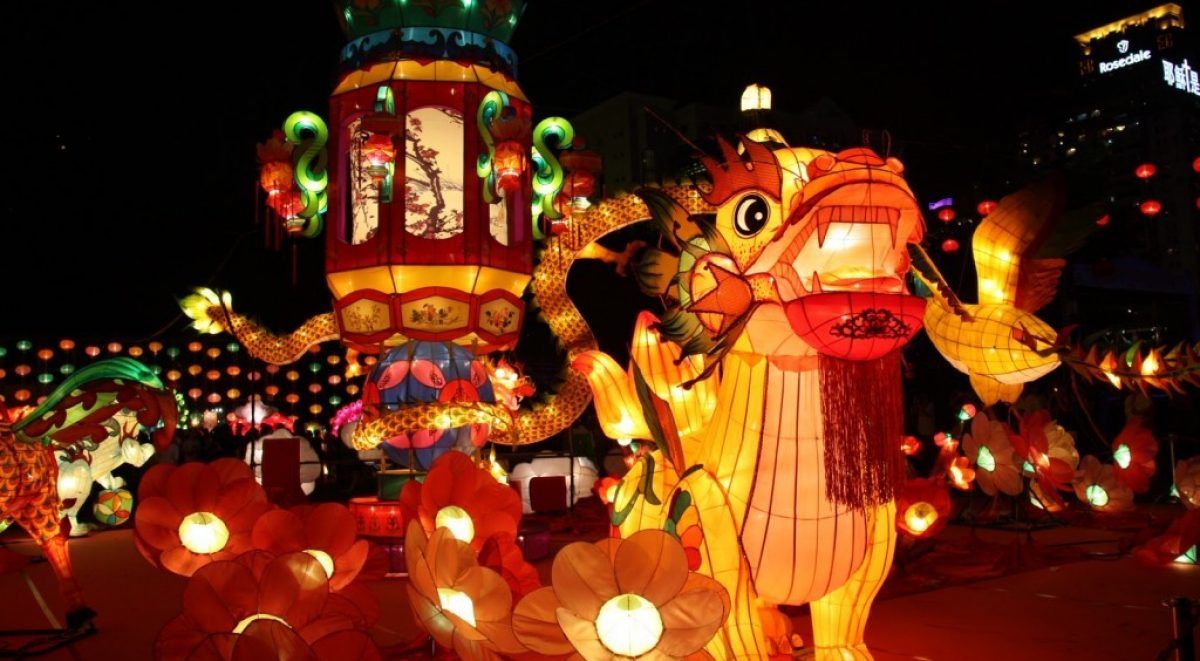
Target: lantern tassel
863,410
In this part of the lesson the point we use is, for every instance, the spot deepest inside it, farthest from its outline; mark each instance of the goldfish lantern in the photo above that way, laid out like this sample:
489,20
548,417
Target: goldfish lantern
419,373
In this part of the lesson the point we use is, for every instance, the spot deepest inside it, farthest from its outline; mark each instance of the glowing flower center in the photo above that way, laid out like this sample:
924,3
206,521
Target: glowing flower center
985,460
629,625
458,603
203,532
1096,495
323,559
457,521
919,516
241,626
1123,455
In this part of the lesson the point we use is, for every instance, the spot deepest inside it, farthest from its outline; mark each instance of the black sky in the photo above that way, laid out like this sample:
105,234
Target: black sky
129,173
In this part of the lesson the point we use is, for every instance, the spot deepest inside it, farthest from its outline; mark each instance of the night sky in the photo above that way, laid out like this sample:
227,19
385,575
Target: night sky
129,174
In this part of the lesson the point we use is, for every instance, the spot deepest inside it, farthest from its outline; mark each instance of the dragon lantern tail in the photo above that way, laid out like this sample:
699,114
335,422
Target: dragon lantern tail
212,313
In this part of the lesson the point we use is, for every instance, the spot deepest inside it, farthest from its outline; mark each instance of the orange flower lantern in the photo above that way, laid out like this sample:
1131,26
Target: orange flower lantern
1145,171
1150,208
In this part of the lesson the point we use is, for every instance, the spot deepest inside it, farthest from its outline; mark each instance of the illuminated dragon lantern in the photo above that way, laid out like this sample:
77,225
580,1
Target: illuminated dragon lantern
771,386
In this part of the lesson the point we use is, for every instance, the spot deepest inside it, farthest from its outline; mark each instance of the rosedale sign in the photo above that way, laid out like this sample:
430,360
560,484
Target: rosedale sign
1136,57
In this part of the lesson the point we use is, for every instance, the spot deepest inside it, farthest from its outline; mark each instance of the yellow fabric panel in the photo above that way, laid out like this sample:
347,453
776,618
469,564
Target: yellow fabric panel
798,544
1000,242
729,450
437,71
986,344
616,403
840,618
665,370
742,637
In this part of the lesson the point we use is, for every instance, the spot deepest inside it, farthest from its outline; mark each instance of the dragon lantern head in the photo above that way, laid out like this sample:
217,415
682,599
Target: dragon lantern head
814,254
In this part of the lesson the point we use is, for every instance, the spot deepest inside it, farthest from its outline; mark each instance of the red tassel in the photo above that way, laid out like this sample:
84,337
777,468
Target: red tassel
863,409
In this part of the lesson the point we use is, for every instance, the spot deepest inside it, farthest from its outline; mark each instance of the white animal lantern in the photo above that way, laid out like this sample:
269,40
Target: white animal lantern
75,477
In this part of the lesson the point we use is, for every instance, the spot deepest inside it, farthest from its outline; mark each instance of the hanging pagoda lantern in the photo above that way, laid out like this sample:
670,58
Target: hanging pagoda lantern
430,178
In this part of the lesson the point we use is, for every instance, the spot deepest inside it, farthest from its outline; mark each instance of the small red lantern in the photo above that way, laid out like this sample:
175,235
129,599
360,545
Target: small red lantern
985,207
276,177
946,214
950,246
1150,208
1196,164
509,164
286,205
1104,220
380,152
1145,171
910,445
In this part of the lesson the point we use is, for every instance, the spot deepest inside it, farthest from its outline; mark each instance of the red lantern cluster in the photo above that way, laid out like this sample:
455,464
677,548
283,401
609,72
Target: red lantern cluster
1150,208
985,207
1145,171
945,214
950,246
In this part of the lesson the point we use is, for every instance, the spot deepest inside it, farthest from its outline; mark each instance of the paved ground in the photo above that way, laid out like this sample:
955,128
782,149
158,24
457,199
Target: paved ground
1090,609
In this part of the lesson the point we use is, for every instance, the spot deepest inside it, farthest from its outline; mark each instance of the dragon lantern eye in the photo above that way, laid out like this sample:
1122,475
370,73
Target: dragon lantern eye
750,215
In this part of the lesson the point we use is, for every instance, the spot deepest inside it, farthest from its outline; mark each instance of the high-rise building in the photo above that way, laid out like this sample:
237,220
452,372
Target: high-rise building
1126,127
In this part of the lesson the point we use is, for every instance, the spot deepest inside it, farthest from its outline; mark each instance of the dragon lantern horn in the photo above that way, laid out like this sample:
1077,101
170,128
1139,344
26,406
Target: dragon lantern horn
739,172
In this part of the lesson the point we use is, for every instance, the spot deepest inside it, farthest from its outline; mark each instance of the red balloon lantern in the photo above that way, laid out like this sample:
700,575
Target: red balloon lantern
276,177
287,204
380,151
1145,171
950,246
509,164
1150,208
946,214
985,207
